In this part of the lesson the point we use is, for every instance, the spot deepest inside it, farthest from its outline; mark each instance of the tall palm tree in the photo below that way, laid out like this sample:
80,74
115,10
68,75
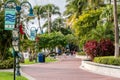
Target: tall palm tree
116,29
57,24
39,10
50,9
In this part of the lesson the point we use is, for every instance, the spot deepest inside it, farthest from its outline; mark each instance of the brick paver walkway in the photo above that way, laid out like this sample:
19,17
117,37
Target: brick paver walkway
66,69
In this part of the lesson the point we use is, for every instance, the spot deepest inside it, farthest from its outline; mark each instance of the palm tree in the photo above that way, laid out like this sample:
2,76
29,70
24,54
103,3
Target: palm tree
75,8
116,30
105,32
39,12
56,24
50,9
107,13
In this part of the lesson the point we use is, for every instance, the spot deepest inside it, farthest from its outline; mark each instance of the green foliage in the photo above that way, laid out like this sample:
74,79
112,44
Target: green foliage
86,22
6,63
47,60
72,39
103,31
50,59
104,26
25,44
28,62
9,76
109,60
5,39
81,53
52,40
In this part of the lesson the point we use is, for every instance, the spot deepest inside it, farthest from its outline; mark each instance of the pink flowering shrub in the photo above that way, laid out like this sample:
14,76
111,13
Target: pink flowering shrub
103,48
106,48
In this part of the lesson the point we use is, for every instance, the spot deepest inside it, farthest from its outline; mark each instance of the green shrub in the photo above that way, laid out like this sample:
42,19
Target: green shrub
6,63
81,53
109,60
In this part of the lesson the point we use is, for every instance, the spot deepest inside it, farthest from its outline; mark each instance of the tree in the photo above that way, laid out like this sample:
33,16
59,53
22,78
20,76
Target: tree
116,30
83,26
104,25
51,40
75,8
104,31
50,9
39,10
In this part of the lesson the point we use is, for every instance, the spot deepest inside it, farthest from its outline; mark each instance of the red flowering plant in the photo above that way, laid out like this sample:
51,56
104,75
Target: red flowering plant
104,48
90,48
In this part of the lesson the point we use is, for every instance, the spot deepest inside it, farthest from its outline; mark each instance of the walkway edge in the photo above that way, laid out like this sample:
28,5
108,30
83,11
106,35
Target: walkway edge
27,76
102,69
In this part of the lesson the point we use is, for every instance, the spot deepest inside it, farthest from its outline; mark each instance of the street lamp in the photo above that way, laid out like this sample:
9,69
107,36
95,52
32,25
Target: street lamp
33,34
15,31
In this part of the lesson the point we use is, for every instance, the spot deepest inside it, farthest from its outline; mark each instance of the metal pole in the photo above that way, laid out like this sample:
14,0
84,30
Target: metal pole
17,58
14,65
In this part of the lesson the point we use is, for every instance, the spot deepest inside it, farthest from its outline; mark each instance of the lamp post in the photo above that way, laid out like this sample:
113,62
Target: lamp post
15,31
15,44
33,34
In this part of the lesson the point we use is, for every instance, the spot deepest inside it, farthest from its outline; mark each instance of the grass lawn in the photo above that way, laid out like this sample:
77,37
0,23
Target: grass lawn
47,60
9,76
50,59
29,62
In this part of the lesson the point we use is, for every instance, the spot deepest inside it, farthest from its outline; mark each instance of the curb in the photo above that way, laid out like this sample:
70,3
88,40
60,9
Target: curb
102,69
26,75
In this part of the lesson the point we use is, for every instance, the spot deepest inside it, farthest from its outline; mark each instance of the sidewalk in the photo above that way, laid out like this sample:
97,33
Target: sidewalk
66,69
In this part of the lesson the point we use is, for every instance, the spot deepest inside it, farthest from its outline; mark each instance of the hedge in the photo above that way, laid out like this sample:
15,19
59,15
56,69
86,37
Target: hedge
109,60
6,64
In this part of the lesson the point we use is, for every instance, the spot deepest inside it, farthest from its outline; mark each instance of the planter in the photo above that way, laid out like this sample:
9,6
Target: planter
102,69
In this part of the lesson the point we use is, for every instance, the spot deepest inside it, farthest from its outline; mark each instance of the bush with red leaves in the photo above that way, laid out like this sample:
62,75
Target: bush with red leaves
106,48
103,48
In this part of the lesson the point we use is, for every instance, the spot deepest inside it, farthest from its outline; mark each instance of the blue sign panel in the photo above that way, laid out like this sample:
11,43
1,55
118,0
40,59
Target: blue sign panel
10,15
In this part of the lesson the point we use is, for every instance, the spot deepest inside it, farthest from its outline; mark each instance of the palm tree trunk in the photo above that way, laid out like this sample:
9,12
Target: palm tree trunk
116,30
49,30
39,23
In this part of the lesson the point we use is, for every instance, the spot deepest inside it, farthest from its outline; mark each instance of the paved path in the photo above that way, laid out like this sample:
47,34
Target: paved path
66,69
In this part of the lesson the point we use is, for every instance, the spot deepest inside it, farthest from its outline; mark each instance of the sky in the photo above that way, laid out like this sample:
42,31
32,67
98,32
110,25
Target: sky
60,3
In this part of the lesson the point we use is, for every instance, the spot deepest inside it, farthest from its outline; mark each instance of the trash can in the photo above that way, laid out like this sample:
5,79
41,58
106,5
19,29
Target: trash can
41,57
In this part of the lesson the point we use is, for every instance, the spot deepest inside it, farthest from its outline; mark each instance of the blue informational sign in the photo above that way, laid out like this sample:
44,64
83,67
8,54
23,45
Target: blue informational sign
10,15
33,34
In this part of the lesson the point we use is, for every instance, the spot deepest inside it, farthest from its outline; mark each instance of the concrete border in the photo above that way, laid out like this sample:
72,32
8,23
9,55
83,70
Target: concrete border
26,75
102,69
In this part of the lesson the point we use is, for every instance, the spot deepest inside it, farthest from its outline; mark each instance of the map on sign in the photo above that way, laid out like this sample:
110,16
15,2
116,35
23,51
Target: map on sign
10,15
